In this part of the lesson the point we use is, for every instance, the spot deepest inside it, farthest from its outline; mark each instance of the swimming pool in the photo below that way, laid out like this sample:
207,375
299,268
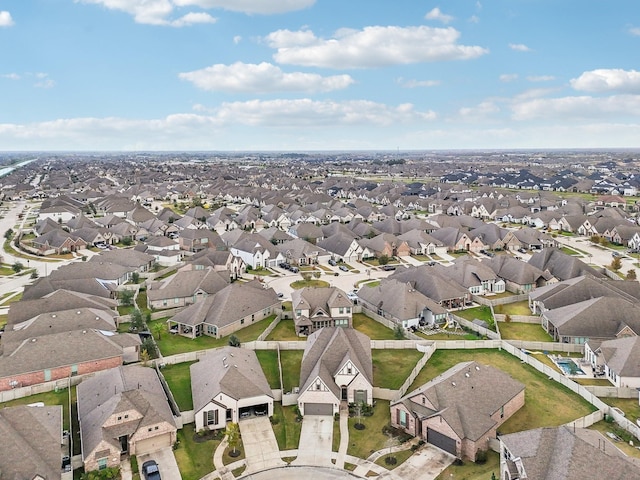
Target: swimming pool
569,367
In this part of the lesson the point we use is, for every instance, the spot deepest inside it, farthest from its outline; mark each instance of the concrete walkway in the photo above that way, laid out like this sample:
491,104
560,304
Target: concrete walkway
222,470
344,435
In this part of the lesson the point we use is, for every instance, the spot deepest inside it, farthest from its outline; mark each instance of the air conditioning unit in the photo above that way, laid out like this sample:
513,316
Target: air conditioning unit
296,389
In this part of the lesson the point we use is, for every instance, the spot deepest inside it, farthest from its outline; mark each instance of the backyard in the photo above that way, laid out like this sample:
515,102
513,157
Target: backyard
269,362
178,378
392,367
547,403
473,471
523,331
284,331
290,361
481,313
372,329
516,308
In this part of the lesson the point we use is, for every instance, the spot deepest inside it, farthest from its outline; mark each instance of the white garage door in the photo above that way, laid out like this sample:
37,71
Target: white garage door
152,444
318,409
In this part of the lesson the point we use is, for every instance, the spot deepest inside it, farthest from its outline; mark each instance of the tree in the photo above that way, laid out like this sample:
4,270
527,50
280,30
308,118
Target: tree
631,274
34,274
149,346
8,234
157,329
317,274
234,341
126,241
126,297
306,276
383,259
145,357
398,332
135,277
233,436
17,267
137,324
616,264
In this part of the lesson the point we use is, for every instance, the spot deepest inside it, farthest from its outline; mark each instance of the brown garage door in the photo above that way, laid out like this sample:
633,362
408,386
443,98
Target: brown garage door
318,409
152,444
440,440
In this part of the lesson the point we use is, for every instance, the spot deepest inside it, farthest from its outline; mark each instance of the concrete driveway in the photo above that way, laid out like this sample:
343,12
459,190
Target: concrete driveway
315,441
166,463
260,445
426,464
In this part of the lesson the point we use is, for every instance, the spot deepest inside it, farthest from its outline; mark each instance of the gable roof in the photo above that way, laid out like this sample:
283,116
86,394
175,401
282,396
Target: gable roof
561,265
235,372
399,299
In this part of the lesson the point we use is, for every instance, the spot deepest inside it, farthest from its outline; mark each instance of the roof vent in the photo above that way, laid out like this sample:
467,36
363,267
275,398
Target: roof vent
466,374
78,312
453,383
84,331
33,340
53,315
477,368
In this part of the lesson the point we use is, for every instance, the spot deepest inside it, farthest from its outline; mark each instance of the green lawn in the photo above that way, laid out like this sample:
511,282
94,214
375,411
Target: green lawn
141,301
287,430
298,284
547,403
363,443
195,459
178,378
448,336
392,367
372,329
516,308
400,457
482,313
172,344
523,331
473,471
269,362
284,331
290,360
628,405
605,427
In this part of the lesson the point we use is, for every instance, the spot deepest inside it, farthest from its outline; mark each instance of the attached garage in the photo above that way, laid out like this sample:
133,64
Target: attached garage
153,444
318,409
440,440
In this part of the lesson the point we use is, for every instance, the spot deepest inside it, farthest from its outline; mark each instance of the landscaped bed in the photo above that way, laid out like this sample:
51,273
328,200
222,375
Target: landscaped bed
547,403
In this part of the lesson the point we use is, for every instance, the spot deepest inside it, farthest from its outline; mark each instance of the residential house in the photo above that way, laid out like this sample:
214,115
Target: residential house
617,360
256,252
32,443
57,242
123,411
316,308
457,241
185,288
234,307
386,244
519,277
561,265
443,291
343,247
561,453
336,367
300,252
421,243
193,240
475,276
219,260
132,260
227,385
461,409
402,304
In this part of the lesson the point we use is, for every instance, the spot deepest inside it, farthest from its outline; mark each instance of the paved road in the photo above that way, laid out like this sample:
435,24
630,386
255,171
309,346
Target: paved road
297,473
598,255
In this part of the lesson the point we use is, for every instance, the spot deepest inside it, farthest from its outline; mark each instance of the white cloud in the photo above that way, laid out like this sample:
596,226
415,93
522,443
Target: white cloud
436,14
635,31
11,76
154,12
541,78
45,83
374,46
5,19
265,7
608,80
262,78
479,112
519,47
579,107
407,83
237,39
508,77
474,19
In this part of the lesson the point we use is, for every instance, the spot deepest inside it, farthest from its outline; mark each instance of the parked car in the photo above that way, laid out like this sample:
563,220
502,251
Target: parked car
261,411
332,262
387,268
343,268
280,295
150,470
294,269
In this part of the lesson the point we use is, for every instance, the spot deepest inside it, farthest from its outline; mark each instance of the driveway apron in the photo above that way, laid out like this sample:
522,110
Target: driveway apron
315,441
260,445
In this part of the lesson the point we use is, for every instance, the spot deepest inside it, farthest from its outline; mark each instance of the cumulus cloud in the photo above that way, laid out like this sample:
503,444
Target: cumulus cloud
578,107
480,111
519,47
508,77
406,83
5,19
237,39
264,7
635,31
436,14
541,78
608,80
154,12
11,76
262,78
373,46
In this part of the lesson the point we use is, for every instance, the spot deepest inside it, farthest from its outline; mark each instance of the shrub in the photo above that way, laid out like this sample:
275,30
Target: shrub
481,457
274,419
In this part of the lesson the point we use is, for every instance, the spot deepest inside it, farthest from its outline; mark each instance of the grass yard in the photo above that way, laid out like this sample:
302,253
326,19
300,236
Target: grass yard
298,284
363,443
178,378
173,344
290,361
287,430
547,403
285,331
448,336
392,367
628,405
473,471
481,313
195,459
372,329
516,308
400,457
523,331
269,362
604,427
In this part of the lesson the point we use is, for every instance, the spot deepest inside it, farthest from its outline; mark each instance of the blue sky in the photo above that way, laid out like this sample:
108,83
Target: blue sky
318,74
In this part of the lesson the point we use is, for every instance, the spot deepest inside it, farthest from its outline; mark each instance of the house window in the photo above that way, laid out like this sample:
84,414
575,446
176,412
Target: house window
164,302
176,301
149,429
156,427
126,416
298,313
402,418
242,321
119,418
211,417
349,370
102,463
502,412
348,309
252,317
318,386
74,370
341,310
